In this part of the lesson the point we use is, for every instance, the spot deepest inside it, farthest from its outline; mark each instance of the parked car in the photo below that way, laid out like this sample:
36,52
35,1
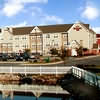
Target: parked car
4,57
11,56
34,58
19,58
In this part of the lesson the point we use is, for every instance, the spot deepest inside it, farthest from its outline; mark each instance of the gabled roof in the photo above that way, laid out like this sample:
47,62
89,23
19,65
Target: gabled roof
45,29
55,28
22,30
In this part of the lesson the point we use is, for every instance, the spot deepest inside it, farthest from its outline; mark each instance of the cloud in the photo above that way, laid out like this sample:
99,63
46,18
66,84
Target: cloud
13,7
97,29
36,11
89,10
22,24
90,13
51,20
33,1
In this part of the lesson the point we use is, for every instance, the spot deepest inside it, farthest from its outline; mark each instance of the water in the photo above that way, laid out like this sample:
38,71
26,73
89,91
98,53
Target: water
30,98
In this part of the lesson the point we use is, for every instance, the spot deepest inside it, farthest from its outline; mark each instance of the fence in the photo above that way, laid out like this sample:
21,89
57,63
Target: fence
90,78
35,70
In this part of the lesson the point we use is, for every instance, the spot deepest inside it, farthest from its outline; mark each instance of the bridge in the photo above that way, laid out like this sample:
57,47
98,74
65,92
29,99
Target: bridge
90,78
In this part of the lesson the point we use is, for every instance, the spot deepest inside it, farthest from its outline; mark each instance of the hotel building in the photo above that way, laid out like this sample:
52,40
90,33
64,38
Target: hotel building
40,39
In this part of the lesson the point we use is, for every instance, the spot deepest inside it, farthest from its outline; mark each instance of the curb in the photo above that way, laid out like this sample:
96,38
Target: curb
45,63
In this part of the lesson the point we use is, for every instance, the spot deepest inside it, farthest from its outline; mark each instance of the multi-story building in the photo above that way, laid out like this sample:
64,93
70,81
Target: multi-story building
40,39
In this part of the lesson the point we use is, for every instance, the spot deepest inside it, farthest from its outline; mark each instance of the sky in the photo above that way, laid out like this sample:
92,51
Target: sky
18,13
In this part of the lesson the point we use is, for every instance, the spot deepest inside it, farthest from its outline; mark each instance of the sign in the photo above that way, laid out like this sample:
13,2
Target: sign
77,28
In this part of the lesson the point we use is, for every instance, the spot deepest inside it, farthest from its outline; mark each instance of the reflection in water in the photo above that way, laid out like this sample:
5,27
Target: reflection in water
30,98
32,92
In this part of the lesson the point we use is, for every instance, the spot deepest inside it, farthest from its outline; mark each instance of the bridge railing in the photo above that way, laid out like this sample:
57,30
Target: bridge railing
90,78
36,70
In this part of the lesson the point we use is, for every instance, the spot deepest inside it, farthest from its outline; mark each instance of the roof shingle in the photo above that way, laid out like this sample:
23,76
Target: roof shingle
45,29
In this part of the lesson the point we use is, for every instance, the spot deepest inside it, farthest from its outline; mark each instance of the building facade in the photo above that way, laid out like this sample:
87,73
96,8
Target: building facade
40,39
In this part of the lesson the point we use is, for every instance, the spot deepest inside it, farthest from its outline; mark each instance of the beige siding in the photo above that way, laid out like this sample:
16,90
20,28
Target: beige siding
82,35
20,43
36,43
54,41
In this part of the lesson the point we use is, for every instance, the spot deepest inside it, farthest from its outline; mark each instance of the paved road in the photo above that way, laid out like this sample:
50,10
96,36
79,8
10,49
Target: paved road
85,61
69,62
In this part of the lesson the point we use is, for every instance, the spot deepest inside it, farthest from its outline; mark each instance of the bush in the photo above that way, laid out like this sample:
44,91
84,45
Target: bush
80,51
85,49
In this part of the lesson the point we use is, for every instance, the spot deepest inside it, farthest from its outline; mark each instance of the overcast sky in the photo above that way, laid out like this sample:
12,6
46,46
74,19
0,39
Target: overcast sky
45,12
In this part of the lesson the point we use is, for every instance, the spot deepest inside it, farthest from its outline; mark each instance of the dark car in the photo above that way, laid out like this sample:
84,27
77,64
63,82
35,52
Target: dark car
19,58
4,57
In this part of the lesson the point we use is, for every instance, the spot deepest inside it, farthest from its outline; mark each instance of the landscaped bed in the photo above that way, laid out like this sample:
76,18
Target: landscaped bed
36,79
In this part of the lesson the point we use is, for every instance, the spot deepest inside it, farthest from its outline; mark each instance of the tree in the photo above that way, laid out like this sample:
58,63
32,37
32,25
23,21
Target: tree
54,51
80,51
26,54
64,55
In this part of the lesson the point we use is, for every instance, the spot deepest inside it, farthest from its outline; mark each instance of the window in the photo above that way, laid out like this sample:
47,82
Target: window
2,39
38,36
23,38
17,38
65,44
55,36
55,44
33,46
48,36
10,46
17,45
11,39
24,45
65,35
33,37
47,44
